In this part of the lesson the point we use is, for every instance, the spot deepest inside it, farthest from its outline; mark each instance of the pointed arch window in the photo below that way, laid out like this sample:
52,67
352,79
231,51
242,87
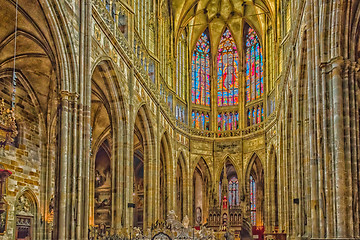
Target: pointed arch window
228,71
234,192
253,200
254,66
200,91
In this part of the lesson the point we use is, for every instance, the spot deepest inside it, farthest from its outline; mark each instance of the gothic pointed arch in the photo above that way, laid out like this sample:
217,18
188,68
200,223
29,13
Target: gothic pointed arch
142,179
274,186
166,193
255,190
227,71
201,83
200,77
26,214
254,77
229,179
108,128
181,183
201,194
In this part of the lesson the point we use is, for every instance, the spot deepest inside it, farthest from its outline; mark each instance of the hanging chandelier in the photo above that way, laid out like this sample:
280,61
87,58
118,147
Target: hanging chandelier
8,129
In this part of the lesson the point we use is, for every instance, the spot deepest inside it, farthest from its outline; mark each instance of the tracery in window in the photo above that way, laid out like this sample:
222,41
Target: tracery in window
228,121
228,70
200,120
200,90
234,192
253,200
254,66
230,187
255,115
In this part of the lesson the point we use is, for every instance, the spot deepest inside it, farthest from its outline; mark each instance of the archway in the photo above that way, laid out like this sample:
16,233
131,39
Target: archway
201,186
26,216
102,194
41,61
101,184
138,195
181,210
144,181
232,184
107,139
255,191
165,182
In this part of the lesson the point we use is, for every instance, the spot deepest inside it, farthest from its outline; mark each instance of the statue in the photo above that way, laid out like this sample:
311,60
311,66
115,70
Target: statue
225,202
186,222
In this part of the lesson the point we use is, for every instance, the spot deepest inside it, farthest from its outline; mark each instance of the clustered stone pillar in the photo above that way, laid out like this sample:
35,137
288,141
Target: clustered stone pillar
71,220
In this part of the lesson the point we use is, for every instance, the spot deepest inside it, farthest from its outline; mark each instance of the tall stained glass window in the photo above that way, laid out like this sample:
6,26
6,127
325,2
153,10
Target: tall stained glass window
228,70
234,192
253,200
200,91
254,66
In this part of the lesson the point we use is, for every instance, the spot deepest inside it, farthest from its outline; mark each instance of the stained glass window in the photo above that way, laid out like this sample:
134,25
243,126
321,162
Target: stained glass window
258,118
234,192
255,115
180,113
200,75
200,120
253,200
254,67
228,70
170,101
228,121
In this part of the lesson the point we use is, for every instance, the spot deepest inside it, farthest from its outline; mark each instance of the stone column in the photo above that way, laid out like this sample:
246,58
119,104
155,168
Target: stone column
341,188
61,193
314,200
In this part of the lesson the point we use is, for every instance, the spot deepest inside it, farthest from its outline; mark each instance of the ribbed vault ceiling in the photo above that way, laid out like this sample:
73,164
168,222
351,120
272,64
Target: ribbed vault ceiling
216,15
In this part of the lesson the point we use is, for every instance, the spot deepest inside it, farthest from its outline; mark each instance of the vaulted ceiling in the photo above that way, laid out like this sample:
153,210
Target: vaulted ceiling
216,15
35,51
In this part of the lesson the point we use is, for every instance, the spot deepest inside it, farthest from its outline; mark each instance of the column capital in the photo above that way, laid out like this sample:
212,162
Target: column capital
68,96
